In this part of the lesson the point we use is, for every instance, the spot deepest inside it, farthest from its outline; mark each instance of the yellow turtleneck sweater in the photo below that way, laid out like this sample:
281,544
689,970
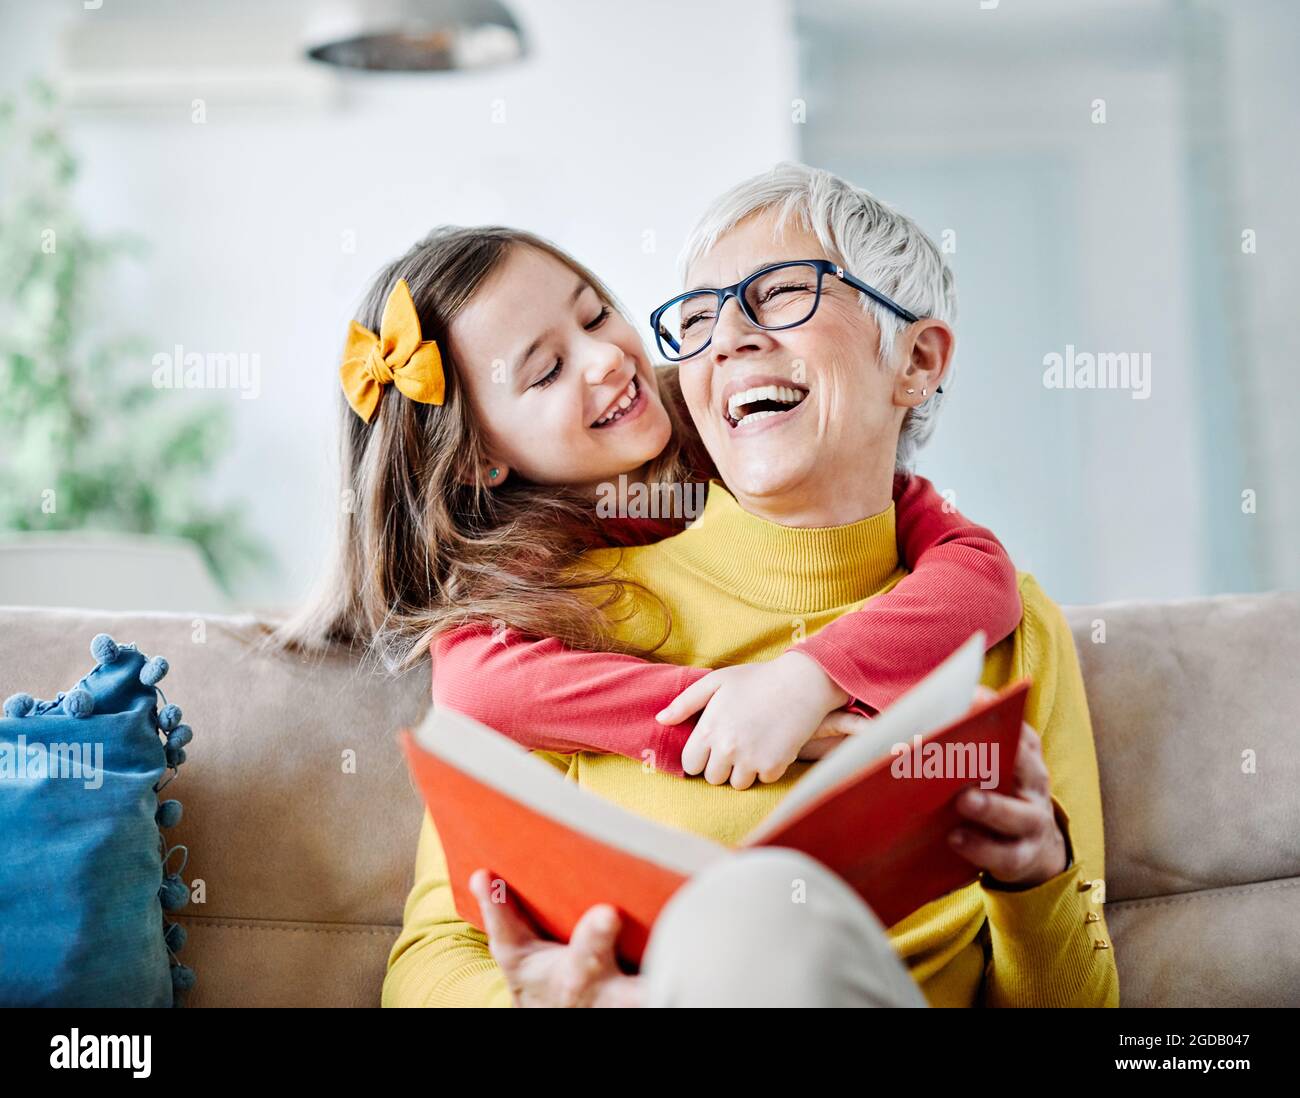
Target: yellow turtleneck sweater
742,589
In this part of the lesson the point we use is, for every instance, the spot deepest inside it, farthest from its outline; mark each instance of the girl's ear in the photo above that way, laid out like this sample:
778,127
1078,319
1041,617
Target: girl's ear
492,475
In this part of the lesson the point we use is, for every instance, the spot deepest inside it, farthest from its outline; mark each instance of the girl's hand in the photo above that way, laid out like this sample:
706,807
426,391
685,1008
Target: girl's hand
756,718
833,730
583,973
1016,838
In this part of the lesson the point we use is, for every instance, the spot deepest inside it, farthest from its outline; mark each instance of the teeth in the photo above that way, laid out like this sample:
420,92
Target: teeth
623,404
781,393
755,416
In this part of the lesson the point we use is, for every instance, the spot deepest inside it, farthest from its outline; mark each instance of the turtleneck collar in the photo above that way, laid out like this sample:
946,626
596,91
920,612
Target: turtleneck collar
800,570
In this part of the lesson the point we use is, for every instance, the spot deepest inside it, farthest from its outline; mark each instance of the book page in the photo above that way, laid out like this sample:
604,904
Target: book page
937,700
499,762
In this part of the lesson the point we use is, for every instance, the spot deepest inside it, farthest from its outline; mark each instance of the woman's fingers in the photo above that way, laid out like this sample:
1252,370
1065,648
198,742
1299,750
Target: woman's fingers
506,930
595,934
691,700
1006,859
1013,837
590,975
1030,767
1013,815
1008,816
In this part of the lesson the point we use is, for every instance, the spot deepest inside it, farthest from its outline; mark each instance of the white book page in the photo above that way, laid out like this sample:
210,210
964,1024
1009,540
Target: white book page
937,700
498,761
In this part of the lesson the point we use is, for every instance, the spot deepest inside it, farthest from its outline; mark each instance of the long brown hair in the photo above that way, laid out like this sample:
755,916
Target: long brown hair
423,544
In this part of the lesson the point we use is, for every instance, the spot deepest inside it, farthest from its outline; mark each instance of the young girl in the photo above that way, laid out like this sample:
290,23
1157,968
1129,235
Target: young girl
493,391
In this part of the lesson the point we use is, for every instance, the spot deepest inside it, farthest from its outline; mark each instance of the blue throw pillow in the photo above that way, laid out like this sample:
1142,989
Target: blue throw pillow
85,878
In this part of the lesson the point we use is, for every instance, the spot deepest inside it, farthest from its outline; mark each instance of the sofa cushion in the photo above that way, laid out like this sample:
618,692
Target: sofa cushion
299,816
1194,708
81,922
303,854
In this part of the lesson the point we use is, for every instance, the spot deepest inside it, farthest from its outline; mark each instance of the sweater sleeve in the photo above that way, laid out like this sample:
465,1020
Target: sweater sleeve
961,581
1049,944
439,959
551,698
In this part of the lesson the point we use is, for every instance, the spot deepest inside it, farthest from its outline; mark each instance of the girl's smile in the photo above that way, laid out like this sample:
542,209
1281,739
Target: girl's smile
557,376
629,404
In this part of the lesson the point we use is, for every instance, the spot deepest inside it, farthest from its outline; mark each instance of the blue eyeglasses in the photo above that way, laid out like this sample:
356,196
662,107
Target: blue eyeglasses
783,295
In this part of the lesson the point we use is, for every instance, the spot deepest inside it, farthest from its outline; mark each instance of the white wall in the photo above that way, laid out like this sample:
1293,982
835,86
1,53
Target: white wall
1104,236
975,120
248,212
1263,61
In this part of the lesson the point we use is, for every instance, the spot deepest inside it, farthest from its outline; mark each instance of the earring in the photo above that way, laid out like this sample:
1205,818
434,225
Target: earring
925,392
494,473
911,390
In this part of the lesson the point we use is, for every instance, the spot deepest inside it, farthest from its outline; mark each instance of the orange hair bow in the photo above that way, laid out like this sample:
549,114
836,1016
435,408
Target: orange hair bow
397,355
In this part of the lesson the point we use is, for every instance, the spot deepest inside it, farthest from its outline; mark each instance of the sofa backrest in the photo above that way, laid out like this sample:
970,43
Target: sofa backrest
1196,712
301,821
299,816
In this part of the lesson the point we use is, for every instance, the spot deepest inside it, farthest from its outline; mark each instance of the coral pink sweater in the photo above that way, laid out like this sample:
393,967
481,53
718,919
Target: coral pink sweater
551,698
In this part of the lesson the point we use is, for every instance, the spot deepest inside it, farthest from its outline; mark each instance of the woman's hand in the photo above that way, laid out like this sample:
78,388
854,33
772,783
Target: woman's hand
757,717
583,973
1016,840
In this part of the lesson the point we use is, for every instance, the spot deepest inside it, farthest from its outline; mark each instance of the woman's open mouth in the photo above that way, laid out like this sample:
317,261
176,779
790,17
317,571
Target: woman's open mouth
763,403
630,403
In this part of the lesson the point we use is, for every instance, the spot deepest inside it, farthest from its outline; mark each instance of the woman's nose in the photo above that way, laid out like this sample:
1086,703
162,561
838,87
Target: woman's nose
735,335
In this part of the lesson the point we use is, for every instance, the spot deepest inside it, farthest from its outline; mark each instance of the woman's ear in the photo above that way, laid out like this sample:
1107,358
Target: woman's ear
928,353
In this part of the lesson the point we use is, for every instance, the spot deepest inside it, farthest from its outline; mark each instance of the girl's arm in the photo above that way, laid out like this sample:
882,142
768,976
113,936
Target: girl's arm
551,698
961,581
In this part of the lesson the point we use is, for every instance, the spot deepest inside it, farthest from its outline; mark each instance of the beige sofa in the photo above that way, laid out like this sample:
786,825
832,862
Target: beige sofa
305,860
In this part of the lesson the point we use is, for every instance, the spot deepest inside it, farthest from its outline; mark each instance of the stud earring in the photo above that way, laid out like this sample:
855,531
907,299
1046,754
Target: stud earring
911,390
494,473
925,392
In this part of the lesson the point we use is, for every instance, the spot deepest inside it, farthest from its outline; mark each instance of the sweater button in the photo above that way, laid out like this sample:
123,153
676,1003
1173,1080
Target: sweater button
1092,917
1084,886
1100,945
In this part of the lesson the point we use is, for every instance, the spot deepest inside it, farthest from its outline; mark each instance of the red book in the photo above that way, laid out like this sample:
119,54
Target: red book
877,810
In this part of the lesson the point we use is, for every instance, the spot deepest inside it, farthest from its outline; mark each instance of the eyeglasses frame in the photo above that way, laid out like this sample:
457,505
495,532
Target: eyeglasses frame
737,290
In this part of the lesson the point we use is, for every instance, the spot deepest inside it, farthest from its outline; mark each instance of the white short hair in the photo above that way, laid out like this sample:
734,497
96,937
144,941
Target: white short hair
869,238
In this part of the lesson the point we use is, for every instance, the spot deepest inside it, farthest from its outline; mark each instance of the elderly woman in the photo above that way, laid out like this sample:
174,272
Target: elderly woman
799,532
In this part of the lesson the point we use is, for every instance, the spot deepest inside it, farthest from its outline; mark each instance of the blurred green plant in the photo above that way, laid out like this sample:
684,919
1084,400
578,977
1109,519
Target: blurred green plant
79,414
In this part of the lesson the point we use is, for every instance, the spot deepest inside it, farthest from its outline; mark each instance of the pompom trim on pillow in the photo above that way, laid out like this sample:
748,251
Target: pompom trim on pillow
173,892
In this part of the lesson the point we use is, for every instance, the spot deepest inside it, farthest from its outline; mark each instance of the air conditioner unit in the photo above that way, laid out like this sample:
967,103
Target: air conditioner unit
154,58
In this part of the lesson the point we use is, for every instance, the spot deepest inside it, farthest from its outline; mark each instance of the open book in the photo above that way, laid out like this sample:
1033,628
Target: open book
877,810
